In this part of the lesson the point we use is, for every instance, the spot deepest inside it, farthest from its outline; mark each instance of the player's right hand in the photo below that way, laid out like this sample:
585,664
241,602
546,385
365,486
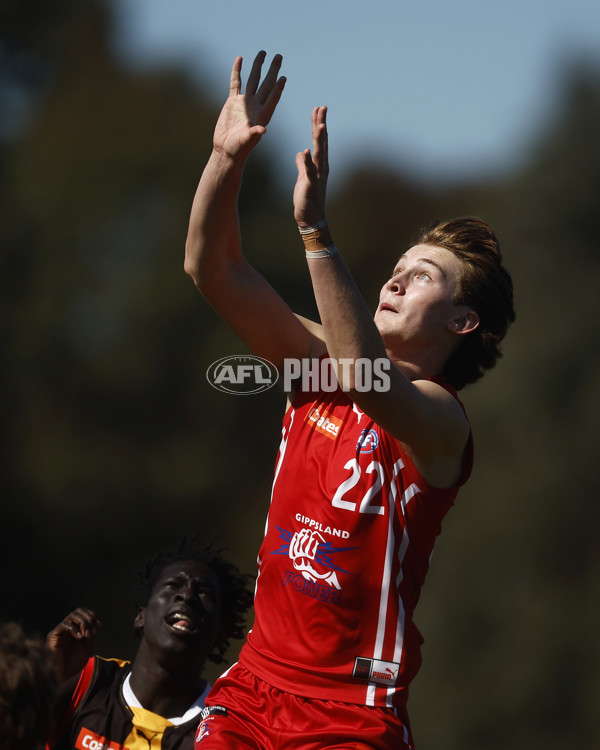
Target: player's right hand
244,117
72,641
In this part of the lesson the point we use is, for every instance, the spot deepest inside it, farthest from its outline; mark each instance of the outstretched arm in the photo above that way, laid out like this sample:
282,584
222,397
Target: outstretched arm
419,413
213,254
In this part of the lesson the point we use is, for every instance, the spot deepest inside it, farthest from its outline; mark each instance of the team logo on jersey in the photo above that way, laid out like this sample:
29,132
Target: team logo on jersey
207,715
368,441
376,670
311,557
322,421
203,731
213,711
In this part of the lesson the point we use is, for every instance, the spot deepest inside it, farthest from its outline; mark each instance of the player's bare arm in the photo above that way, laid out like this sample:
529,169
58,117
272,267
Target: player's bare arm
213,254
419,413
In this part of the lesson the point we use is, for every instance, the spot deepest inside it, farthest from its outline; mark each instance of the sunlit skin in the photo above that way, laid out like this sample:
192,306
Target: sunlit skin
416,325
416,307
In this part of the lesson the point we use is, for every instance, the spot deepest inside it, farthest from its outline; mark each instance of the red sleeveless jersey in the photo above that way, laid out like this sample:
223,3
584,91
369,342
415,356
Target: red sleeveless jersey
350,532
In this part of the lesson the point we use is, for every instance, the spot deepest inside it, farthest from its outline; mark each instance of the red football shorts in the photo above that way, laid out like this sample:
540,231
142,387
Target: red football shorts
246,713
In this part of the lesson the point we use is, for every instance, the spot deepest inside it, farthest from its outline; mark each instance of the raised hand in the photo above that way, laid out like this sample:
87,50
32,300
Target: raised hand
72,641
313,171
244,117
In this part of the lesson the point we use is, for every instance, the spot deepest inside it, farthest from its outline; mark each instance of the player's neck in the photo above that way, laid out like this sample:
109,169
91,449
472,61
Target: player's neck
421,361
418,368
167,692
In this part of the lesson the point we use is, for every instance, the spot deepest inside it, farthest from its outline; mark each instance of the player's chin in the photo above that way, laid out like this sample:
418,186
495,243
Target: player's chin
383,321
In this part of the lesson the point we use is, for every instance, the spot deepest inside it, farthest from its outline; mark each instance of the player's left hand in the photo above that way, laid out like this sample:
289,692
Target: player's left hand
313,171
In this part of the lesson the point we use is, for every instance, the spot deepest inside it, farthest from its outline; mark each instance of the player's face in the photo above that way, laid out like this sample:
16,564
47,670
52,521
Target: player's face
415,303
183,611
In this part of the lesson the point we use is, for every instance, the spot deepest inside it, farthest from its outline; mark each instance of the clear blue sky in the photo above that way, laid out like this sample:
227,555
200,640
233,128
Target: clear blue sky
444,88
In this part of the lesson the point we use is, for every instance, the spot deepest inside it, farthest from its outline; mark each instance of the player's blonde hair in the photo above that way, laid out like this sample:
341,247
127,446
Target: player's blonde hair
484,285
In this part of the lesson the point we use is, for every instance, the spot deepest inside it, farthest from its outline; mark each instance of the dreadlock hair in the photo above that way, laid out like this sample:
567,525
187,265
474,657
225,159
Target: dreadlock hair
484,285
236,598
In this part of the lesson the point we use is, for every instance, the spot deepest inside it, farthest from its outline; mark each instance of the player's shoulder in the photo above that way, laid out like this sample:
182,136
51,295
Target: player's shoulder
441,395
109,671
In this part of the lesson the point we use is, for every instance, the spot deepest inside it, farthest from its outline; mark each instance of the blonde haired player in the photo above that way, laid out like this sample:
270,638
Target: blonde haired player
356,507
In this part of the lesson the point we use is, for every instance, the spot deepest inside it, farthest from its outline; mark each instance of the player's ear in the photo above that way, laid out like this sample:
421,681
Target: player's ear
464,323
138,623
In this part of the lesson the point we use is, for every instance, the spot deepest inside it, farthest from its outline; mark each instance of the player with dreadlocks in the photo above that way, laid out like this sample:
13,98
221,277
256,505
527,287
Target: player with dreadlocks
190,603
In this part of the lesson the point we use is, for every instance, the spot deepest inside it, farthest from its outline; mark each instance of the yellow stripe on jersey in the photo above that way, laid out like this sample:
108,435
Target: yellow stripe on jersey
147,730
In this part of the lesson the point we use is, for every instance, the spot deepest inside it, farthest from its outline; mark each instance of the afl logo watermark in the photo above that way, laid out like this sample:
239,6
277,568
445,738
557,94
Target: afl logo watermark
242,374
